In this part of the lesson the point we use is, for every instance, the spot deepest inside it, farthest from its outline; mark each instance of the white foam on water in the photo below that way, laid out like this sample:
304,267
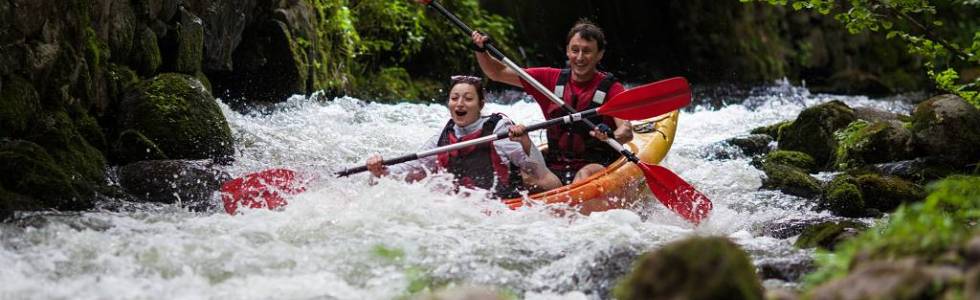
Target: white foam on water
347,239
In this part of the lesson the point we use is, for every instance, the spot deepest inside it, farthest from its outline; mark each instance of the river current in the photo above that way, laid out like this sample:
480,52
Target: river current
347,239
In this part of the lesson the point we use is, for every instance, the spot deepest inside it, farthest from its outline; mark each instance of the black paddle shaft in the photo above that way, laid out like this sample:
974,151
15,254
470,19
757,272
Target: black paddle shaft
500,56
485,139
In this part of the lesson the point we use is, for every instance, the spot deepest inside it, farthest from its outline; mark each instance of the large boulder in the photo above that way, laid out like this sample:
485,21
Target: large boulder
177,114
224,22
189,183
695,268
885,193
947,127
790,180
33,180
813,131
863,143
19,104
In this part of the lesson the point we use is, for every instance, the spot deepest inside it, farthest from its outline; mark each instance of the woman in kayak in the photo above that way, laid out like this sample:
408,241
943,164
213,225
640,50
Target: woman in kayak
505,167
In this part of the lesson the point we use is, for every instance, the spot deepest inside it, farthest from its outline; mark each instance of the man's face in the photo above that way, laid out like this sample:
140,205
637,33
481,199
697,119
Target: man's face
583,56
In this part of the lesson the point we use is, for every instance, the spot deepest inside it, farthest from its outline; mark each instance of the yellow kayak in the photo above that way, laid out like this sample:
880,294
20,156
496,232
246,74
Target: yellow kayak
621,185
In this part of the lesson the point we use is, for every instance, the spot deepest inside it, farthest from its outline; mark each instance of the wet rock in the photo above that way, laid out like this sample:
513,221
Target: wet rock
189,183
971,251
790,269
790,180
813,131
863,143
122,26
190,43
784,229
920,170
947,127
269,66
175,112
695,268
146,58
74,220
771,130
790,158
19,104
843,197
739,146
133,146
33,180
119,79
904,279
872,115
828,235
885,193
224,21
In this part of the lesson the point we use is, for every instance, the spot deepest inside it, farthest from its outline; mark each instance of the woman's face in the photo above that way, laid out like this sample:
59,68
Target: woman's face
464,104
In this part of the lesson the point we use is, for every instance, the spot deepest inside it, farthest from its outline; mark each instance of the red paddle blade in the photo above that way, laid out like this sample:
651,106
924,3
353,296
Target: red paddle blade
676,194
261,189
649,100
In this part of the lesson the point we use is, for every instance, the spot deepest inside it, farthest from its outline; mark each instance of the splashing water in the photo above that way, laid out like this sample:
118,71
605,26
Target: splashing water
347,239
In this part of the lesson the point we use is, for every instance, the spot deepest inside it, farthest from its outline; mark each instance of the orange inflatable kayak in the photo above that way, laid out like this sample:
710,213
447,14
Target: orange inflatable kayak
621,185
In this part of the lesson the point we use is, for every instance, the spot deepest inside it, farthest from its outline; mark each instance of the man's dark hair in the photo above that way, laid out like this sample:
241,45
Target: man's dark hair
588,31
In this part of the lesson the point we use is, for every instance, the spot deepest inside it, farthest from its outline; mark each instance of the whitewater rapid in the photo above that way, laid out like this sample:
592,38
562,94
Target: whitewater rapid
347,239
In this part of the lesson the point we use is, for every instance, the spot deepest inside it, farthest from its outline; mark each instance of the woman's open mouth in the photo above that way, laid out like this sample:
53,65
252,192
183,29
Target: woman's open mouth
460,113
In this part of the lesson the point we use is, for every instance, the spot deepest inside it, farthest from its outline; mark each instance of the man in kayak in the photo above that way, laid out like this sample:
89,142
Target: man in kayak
505,167
572,154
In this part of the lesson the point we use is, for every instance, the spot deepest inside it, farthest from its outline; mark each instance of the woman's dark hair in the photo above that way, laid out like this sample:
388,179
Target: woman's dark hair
476,82
588,31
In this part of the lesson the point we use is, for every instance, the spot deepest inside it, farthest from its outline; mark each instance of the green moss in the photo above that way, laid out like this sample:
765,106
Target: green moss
843,197
927,230
389,85
695,268
19,103
885,193
813,131
28,170
849,138
90,130
790,180
391,254
792,158
56,132
133,146
176,113
146,58
96,50
190,43
828,234
771,130
119,79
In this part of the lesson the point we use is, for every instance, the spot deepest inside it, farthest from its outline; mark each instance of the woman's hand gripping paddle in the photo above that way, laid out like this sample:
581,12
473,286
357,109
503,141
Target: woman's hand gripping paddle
265,188
675,183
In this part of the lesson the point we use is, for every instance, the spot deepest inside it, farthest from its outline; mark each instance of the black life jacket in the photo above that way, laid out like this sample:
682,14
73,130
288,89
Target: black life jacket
570,146
479,165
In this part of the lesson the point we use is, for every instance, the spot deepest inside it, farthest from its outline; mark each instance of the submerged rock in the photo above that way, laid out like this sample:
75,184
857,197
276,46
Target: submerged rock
828,234
740,146
190,183
695,268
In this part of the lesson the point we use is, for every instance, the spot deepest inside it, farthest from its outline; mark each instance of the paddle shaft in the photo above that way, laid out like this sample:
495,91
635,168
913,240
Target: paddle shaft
486,139
527,78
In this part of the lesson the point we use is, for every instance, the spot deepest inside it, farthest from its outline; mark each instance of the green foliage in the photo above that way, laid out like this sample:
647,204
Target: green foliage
932,30
925,229
368,39
848,138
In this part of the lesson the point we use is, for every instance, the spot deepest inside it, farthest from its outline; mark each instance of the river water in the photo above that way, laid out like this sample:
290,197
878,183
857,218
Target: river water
347,239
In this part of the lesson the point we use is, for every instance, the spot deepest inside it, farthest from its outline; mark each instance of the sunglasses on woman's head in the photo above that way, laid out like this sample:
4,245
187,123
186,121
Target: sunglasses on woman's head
465,79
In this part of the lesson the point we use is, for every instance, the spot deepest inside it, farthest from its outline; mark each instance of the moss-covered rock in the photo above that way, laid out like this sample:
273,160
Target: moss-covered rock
133,146
827,235
19,104
146,58
695,268
37,181
813,131
190,43
947,127
790,158
790,180
389,85
905,279
771,130
56,132
885,193
175,112
122,23
863,143
843,197
119,79
90,130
